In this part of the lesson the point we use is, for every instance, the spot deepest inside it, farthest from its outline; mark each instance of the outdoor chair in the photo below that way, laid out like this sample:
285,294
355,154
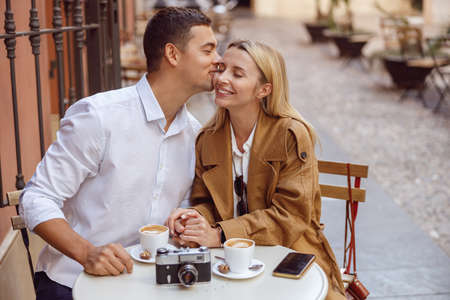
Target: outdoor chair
388,28
440,77
353,196
12,199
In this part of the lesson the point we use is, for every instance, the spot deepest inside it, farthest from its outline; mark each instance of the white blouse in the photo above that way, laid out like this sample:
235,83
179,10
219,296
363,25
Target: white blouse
240,161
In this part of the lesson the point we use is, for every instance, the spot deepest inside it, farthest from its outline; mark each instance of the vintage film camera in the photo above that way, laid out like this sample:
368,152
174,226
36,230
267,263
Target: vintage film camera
184,266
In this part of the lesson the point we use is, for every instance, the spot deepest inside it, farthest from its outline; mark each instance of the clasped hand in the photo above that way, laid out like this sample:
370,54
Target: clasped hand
187,226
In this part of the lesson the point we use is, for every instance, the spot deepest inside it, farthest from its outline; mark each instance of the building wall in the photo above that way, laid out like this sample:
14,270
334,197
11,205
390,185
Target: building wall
365,14
437,12
15,279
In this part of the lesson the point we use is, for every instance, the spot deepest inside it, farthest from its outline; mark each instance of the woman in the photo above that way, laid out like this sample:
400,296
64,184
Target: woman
256,171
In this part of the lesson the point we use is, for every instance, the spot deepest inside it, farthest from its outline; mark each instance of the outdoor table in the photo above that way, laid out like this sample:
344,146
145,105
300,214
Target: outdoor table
141,283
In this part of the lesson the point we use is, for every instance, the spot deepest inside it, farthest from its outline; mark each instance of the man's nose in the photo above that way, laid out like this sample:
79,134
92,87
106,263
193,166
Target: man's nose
217,58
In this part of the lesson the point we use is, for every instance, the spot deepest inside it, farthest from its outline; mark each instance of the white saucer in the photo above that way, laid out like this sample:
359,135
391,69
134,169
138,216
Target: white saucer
231,275
136,250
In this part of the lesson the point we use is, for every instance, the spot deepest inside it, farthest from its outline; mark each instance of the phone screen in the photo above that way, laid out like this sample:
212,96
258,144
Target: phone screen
294,263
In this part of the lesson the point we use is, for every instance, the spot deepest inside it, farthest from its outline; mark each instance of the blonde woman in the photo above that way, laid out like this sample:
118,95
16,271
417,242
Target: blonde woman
256,171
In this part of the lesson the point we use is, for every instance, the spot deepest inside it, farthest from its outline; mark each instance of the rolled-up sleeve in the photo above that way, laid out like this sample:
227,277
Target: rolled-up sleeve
75,155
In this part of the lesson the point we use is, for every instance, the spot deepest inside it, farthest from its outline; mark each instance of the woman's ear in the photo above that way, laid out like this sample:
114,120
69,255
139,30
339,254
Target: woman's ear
172,54
264,91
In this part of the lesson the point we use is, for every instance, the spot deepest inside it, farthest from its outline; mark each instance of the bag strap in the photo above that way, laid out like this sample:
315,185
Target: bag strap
351,213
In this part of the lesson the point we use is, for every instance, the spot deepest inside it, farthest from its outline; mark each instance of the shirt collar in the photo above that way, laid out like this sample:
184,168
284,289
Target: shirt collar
151,106
153,111
247,145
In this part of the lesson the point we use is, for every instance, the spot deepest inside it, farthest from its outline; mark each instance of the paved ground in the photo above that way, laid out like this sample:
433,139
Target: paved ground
407,147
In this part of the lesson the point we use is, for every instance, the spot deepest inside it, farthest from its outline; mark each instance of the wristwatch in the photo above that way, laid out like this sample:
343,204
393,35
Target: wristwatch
222,235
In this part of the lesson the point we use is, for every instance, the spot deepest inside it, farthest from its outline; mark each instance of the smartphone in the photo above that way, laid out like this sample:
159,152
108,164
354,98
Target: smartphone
294,265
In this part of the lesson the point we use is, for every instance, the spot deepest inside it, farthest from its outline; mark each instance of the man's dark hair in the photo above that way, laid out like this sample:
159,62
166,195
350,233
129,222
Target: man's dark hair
169,25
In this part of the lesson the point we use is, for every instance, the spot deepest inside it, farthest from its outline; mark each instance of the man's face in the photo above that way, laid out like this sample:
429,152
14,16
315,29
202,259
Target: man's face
199,59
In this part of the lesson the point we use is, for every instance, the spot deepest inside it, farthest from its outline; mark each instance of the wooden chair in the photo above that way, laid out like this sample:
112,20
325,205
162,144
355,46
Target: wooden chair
341,192
352,199
440,78
12,199
398,35
17,222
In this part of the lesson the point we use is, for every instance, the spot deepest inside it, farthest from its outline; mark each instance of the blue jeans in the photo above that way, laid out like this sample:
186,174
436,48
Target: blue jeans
48,289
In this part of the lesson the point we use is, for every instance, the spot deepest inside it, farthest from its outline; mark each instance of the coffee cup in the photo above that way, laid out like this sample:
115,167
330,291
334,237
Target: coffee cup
239,254
153,237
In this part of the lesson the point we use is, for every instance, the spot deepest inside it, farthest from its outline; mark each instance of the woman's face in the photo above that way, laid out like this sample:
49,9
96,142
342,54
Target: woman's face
238,84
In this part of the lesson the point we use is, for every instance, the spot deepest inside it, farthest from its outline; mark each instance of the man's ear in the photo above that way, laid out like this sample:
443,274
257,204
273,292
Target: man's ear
264,91
172,54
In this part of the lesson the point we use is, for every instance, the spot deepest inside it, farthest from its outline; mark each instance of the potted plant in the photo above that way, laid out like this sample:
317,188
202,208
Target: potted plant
348,41
322,21
406,58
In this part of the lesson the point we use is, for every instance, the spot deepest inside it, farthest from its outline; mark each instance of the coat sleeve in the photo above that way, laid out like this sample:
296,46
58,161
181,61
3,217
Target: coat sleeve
201,199
290,208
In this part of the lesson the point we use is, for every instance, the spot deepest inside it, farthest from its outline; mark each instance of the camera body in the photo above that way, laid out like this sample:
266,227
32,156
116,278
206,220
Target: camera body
184,266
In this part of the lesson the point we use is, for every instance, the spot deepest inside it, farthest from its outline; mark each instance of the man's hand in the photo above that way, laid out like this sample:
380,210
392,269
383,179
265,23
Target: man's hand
111,259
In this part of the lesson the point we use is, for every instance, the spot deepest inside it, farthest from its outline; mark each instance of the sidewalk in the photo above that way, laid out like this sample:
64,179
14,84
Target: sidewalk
396,259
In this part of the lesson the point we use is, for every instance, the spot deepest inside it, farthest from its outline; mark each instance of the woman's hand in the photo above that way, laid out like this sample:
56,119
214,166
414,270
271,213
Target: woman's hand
175,220
198,230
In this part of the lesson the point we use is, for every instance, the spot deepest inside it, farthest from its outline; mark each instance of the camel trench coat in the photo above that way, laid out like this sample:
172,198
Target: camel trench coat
282,190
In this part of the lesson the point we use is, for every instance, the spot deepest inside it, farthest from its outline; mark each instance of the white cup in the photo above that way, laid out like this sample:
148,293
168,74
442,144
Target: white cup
239,254
153,237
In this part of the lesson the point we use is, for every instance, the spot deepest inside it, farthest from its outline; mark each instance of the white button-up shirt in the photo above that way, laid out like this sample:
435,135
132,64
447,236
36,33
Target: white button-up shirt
112,169
240,162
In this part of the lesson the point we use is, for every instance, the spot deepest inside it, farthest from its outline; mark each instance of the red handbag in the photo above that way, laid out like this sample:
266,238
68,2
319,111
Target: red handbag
354,289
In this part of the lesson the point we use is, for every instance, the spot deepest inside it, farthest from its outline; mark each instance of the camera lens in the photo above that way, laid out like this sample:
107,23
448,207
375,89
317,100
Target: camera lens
188,275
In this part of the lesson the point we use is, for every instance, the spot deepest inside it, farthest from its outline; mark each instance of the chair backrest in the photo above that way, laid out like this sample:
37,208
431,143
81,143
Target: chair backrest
388,28
13,200
341,192
399,35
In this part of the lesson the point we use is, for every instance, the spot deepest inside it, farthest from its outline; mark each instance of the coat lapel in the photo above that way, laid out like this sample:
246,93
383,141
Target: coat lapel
218,179
262,176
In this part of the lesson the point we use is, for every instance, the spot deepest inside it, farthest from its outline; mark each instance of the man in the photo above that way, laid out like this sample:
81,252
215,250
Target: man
122,158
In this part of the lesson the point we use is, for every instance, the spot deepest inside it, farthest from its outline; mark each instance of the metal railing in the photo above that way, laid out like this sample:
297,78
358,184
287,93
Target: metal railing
90,30
99,35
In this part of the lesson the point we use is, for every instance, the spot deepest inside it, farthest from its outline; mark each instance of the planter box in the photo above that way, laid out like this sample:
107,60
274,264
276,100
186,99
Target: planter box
405,74
349,45
315,32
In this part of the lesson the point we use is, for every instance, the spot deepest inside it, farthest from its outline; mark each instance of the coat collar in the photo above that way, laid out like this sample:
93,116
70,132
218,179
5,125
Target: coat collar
220,141
217,157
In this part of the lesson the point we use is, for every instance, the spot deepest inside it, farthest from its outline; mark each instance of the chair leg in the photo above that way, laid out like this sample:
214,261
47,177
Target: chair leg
443,95
420,94
403,95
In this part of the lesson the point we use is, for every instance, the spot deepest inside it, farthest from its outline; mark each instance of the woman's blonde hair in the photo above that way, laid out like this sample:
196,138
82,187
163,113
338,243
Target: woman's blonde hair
273,70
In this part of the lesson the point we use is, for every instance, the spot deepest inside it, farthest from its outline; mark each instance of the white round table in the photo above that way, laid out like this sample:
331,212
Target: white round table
141,284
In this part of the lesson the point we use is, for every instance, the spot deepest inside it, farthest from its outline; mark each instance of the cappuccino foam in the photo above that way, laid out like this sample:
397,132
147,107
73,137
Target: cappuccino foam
153,229
239,244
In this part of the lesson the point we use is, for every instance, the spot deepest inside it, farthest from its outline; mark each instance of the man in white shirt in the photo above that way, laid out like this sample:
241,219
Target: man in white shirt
122,158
